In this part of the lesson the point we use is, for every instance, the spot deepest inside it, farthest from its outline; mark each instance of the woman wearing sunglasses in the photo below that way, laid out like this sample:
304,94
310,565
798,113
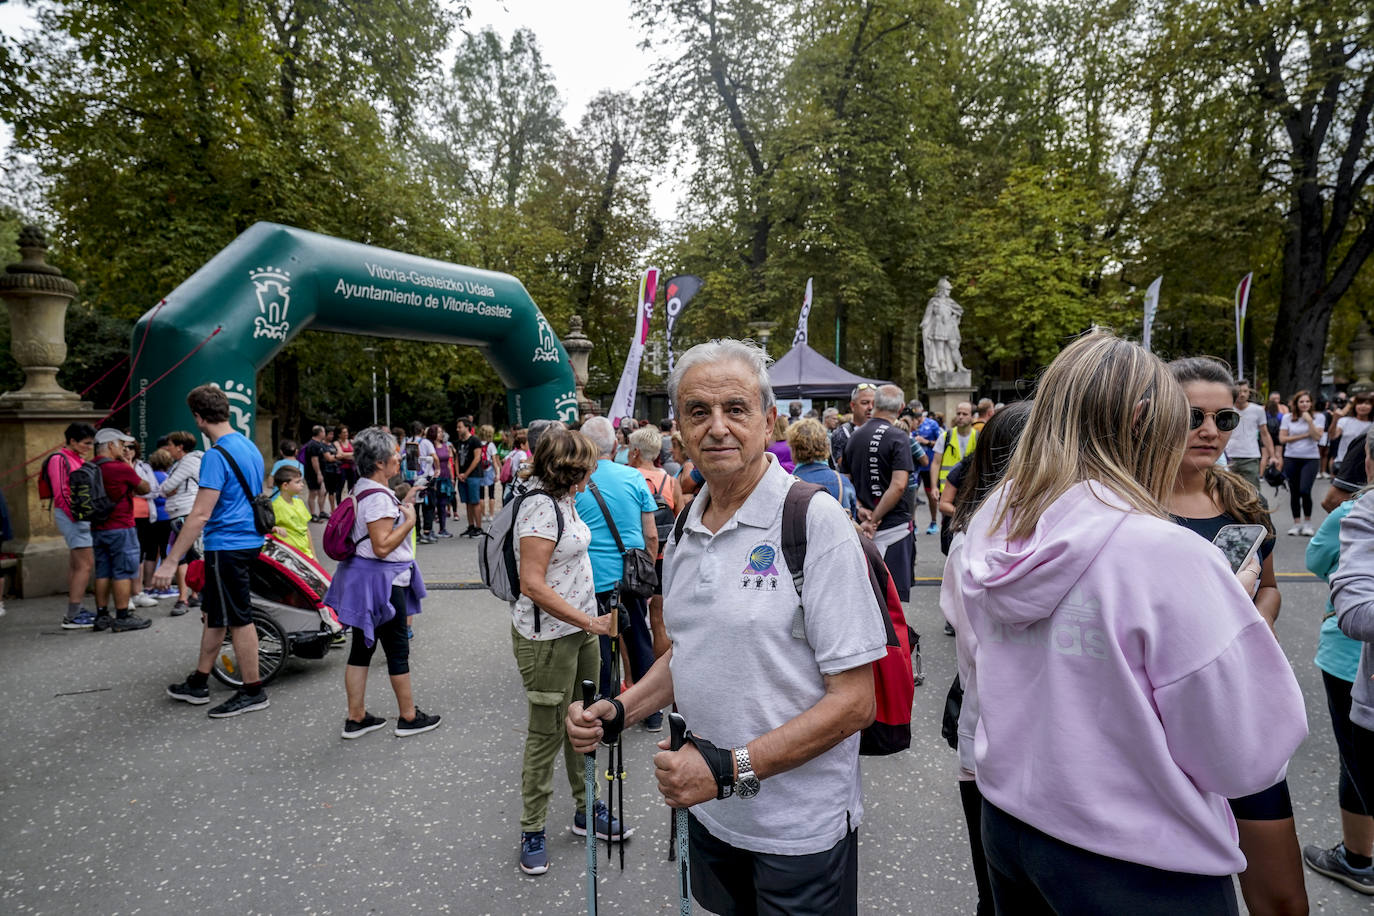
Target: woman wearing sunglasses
1205,498
1301,429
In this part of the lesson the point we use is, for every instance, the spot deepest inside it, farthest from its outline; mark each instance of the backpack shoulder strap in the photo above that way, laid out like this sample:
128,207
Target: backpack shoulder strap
233,466
794,506
680,523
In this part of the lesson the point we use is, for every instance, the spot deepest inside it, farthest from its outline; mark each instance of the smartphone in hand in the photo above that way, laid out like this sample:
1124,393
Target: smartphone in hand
1239,543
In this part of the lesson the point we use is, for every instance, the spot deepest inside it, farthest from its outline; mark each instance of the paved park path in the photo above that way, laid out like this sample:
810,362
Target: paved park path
116,800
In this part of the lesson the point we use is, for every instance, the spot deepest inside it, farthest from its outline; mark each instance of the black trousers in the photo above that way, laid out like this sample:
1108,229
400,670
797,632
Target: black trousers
1338,705
1033,873
972,801
1301,472
736,882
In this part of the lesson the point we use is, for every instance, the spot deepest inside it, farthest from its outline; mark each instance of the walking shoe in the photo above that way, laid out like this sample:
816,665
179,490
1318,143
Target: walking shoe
949,628
604,828
369,723
178,609
1307,531
143,600
194,601
196,696
339,641
445,534
421,723
239,704
84,620
933,528
161,593
534,858
1331,862
132,622
653,722
102,623
1296,529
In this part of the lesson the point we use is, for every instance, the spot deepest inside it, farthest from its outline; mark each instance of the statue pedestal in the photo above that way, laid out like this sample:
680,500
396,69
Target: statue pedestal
944,400
26,432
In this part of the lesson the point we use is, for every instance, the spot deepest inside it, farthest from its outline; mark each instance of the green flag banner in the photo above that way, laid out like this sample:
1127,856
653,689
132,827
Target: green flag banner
274,281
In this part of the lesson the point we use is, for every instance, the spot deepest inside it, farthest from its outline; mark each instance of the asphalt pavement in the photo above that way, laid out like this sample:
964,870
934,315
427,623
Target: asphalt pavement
115,799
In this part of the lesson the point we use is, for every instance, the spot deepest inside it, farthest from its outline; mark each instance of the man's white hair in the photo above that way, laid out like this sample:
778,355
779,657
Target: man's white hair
889,399
723,350
601,432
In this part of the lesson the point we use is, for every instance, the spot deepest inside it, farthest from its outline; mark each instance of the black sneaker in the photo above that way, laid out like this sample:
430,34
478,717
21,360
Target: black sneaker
421,723
196,696
1331,862
369,723
178,609
102,623
239,704
132,622
194,602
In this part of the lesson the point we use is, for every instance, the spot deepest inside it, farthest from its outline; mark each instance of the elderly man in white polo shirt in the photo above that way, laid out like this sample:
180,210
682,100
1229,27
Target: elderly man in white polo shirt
773,778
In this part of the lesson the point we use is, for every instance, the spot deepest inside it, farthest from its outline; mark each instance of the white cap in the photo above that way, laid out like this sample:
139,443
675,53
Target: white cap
109,434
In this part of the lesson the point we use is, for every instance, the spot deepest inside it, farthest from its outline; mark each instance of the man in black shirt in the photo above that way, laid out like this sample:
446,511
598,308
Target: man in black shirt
861,404
315,458
469,480
878,460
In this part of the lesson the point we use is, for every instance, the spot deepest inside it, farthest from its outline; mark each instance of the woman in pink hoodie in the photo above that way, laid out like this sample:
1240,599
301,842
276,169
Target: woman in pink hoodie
1114,718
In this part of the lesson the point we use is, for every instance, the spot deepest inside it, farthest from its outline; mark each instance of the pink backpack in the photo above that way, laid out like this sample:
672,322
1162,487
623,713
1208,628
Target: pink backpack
338,531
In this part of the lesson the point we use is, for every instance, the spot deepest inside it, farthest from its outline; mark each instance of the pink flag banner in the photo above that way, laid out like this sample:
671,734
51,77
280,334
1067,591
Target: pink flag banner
1242,300
624,404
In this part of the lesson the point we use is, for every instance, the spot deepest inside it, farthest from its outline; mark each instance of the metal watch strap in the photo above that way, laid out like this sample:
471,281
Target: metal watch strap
742,763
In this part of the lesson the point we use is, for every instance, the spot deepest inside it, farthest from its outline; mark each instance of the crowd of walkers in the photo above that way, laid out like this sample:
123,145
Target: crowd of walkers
1122,743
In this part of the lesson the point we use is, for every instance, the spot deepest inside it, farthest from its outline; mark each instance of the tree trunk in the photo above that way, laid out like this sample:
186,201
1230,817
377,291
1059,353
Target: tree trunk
286,394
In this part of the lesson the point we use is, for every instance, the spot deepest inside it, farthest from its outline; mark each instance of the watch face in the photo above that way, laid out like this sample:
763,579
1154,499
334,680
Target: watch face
748,786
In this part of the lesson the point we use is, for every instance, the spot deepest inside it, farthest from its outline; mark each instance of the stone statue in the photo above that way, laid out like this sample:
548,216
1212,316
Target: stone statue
940,337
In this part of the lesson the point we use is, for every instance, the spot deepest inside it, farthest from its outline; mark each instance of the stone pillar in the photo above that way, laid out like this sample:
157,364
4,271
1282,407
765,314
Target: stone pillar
33,418
1362,357
946,391
579,347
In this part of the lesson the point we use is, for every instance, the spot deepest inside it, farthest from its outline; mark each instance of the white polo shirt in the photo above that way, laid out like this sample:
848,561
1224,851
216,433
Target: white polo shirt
738,672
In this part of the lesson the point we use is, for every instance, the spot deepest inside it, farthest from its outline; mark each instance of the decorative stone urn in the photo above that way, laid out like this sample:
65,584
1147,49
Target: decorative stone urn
579,347
37,296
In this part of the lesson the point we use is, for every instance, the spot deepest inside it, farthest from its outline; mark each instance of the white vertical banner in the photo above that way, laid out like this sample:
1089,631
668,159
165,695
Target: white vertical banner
800,336
1151,307
624,404
1242,300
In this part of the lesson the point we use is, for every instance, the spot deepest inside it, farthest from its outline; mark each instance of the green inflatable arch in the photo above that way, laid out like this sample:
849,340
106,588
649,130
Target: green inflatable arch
274,281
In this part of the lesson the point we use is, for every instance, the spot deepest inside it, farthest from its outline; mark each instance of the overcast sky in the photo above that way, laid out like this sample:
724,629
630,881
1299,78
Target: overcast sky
589,45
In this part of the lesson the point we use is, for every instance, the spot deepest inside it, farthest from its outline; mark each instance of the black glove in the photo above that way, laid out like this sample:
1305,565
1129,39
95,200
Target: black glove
612,727
721,763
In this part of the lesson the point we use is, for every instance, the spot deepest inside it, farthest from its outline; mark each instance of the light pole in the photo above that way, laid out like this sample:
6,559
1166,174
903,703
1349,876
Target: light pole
387,395
372,352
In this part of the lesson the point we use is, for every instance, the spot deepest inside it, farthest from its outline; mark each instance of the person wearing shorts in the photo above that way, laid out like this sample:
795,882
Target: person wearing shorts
179,489
115,539
224,512
469,480
79,443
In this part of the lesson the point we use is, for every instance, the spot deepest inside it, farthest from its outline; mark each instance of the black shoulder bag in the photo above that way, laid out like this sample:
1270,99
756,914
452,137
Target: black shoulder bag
637,576
264,518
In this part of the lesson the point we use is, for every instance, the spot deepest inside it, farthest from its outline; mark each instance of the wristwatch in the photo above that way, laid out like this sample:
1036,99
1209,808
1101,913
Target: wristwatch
747,784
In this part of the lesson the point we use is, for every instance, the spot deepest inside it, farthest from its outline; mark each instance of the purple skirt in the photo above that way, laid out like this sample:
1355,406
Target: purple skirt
361,593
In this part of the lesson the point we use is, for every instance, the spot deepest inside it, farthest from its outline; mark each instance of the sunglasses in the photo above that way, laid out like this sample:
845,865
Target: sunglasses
1227,419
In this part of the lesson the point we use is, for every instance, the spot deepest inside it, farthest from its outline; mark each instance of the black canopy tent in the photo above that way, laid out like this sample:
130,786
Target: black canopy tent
804,373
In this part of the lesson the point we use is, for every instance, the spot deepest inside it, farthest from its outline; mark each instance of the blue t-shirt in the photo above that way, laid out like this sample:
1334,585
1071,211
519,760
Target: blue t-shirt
1337,654
929,429
627,495
286,463
231,523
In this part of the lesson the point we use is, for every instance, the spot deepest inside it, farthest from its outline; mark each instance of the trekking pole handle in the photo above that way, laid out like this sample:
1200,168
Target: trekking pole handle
588,694
677,731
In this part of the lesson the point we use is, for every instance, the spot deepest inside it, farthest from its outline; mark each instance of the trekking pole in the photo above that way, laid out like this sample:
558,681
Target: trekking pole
611,768
588,697
677,730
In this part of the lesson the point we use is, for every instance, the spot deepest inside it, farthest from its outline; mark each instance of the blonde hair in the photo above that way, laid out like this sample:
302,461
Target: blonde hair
780,428
648,441
808,441
1105,410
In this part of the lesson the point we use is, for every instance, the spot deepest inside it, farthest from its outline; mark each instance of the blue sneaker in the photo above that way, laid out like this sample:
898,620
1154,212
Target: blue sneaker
934,528
534,858
653,722
605,829
85,620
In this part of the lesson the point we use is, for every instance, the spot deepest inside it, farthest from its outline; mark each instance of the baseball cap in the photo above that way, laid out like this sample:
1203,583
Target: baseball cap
108,435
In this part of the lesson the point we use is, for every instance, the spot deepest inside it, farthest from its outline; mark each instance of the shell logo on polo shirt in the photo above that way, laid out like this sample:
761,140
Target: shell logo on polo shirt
760,572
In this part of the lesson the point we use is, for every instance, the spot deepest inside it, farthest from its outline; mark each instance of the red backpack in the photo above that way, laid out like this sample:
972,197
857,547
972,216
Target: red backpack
894,684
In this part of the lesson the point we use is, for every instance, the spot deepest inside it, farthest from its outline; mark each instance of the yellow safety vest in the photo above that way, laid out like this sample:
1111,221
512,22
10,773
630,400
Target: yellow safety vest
952,454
